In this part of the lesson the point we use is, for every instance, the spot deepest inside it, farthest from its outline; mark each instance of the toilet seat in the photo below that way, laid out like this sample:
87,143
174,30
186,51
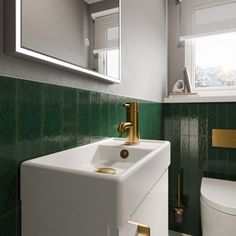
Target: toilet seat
219,194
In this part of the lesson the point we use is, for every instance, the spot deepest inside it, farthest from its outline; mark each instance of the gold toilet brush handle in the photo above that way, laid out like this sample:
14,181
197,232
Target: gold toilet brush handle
178,209
178,203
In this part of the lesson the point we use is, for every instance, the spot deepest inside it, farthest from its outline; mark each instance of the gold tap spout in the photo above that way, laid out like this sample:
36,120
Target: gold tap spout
123,126
131,124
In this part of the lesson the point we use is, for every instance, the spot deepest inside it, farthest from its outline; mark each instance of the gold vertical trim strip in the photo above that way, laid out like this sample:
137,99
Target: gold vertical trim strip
225,138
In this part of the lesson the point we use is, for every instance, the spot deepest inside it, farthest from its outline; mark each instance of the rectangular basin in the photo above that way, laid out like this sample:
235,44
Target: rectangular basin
67,181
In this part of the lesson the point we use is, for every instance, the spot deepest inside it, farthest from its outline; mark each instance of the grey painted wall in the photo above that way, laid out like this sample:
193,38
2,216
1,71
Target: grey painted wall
175,51
144,56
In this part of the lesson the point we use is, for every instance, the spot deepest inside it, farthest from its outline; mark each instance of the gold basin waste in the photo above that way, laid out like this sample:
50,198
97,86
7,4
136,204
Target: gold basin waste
106,170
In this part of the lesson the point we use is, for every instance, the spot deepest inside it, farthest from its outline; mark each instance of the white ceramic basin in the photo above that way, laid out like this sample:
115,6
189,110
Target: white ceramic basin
67,181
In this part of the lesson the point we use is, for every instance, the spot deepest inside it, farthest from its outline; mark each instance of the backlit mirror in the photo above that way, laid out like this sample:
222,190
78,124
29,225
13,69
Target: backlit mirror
82,35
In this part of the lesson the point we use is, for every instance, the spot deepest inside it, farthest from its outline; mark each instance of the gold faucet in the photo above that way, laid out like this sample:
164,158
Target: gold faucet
131,124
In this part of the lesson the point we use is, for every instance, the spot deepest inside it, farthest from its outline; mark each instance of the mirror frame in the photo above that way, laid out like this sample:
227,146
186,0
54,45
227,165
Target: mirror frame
13,44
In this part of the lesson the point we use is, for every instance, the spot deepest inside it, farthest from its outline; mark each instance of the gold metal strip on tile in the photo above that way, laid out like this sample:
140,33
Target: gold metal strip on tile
225,138
142,229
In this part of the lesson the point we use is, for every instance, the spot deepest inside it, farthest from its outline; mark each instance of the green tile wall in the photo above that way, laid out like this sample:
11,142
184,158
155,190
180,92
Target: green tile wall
38,119
189,128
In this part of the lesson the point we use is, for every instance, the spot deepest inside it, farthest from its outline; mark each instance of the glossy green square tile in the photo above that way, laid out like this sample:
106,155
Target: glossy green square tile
160,120
185,146
8,224
203,152
8,157
105,115
222,116
121,114
231,115
113,117
211,159
155,126
8,117
216,175
84,118
29,119
221,160
193,110
231,161
203,119
184,122
143,122
184,110
193,119
95,119
176,111
217,159
121,110
167,126
194,161
212,117
192,182
69,117
147,126
149,121
52,118
194,126
8,185
167,110
176,120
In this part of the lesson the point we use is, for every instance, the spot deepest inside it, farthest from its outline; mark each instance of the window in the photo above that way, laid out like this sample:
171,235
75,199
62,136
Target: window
108,61
107,42
111,64
209,31
215,63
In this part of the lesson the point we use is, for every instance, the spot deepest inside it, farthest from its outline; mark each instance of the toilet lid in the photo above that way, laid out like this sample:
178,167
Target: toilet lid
219,194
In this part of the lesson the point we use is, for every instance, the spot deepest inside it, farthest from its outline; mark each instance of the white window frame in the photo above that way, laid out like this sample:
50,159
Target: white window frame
190,63
190,58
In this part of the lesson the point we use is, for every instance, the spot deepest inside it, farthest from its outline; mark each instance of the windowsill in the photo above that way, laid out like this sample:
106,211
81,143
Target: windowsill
199,99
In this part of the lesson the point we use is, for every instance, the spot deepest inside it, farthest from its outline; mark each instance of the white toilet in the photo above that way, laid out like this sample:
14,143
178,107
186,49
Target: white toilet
218,207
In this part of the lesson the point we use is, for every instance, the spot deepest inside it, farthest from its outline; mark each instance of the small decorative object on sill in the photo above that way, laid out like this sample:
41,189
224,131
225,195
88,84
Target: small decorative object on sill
179,87
187,81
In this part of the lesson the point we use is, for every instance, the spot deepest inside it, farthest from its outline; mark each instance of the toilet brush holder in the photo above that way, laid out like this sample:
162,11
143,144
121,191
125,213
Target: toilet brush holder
178,214
179,209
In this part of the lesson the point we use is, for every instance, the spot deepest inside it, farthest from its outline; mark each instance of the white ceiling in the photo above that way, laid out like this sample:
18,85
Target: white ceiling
92,1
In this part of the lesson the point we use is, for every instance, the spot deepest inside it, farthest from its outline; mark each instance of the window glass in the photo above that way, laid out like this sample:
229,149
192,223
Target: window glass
215,61
112,62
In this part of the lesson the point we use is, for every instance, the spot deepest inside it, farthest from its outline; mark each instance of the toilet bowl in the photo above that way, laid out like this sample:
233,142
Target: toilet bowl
218,207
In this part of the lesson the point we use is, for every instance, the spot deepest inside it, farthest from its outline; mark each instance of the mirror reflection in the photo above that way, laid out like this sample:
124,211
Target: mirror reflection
81,32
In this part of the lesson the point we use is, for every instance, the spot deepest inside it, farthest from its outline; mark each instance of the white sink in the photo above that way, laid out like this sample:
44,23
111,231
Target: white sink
67,181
